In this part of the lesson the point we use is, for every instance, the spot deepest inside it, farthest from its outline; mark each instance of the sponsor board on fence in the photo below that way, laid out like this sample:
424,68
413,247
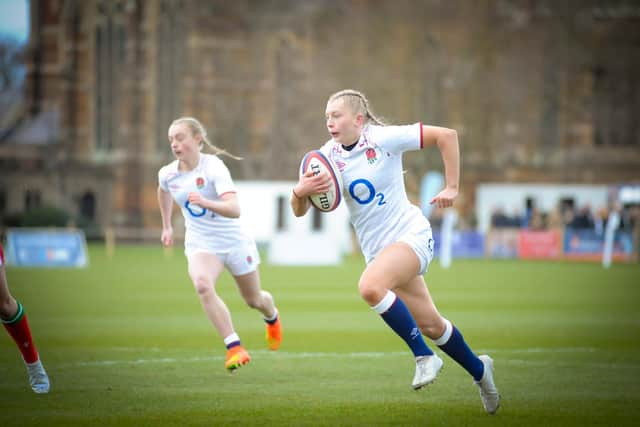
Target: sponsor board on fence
502,243
46,248
465,244
534,244
588,244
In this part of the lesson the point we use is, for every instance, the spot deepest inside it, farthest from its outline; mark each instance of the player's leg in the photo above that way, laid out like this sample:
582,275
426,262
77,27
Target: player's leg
261,300
394,265
8,304
243,264
14,319
204,270
440,330
446,336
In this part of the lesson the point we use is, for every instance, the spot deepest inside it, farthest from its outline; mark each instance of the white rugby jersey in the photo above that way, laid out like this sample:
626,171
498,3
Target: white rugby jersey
374,185
211,179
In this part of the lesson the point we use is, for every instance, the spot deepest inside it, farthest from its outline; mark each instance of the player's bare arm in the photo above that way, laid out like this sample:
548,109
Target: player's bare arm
165,201
447,142
226,206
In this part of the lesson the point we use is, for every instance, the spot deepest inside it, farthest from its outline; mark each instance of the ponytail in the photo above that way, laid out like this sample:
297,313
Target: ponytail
197,129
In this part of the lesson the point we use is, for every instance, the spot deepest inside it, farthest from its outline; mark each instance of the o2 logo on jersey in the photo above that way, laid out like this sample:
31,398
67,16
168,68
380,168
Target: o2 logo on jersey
370,195
196,211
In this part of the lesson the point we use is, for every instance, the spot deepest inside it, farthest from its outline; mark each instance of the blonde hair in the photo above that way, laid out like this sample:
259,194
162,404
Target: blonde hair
197,129
358,104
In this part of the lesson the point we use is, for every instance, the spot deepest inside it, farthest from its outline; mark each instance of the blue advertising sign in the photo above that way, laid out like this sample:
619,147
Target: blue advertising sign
465,244
588,245
46,248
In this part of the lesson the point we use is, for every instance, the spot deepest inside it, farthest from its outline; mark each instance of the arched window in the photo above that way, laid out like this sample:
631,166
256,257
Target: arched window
88,205
32,199
171,60
109,58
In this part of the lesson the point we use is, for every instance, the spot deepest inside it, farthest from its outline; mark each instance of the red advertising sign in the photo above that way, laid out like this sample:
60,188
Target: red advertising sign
539,244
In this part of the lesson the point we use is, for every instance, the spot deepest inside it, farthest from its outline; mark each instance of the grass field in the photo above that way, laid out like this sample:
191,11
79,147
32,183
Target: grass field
125,342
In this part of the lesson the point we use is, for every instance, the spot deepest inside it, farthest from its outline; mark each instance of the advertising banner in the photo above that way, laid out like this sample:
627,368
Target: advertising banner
46,248
465,244
588,245
502,243
539,244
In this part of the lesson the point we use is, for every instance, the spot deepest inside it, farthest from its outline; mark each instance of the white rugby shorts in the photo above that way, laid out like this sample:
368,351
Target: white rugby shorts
240,258
422,243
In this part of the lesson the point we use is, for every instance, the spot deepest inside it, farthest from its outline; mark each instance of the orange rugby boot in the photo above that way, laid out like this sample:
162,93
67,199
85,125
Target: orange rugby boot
236,357
274,335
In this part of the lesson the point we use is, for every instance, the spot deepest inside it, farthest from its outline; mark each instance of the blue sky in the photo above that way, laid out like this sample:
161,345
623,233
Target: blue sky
14,19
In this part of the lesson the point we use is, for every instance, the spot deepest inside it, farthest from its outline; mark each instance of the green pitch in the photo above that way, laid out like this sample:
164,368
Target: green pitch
125,342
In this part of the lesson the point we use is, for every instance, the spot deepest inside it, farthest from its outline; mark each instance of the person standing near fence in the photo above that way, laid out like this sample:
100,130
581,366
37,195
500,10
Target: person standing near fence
201,185
14,320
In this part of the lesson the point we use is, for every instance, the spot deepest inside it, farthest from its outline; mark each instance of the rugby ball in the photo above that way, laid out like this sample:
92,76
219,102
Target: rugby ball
319,163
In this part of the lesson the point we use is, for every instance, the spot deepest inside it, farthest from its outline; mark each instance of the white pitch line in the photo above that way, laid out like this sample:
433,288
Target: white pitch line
279,355
136,349
320,355
542,350
563,364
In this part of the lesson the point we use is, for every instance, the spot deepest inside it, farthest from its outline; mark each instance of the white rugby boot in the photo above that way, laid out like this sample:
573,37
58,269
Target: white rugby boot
427,368
38,378
488,391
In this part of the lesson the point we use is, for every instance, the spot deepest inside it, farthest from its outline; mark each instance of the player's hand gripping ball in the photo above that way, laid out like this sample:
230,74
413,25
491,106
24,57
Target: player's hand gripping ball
318,163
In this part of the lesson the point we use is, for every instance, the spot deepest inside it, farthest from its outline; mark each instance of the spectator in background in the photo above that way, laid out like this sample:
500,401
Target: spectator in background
626,219
536,220
529,211
554,219
583,219
600,220
567,216
499,219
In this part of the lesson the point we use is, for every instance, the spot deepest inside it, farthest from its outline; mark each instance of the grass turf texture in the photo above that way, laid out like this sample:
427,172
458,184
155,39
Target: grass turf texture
125,342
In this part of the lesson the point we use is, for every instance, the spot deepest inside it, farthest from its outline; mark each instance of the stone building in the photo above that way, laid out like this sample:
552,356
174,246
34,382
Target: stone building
540,91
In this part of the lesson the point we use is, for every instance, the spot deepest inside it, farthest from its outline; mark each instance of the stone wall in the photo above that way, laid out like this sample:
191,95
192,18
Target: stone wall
539,91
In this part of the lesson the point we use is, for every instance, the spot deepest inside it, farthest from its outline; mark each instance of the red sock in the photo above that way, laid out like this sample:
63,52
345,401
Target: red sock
19,330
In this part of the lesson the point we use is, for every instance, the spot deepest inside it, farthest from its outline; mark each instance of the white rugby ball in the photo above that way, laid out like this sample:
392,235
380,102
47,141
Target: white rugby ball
319,163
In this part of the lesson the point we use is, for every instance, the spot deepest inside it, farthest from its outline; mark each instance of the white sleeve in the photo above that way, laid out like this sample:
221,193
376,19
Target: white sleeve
162,180
221,178
398,139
